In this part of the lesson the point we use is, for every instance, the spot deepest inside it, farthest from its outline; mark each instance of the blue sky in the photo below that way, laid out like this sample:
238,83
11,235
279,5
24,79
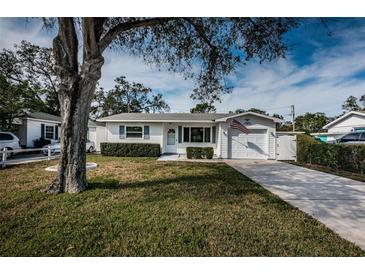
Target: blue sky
318,74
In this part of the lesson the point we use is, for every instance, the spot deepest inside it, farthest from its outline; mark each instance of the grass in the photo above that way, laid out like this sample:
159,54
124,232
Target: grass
141,207
338,172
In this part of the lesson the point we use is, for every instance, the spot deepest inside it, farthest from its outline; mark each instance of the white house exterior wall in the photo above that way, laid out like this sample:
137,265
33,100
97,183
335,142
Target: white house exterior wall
34,130
348,124
156,133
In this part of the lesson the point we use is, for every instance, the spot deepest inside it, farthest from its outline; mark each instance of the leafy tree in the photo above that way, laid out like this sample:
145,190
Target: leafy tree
256,110
213,46
32,65
311,122
362,101
127,97
351,104
203,108
275,115
15,100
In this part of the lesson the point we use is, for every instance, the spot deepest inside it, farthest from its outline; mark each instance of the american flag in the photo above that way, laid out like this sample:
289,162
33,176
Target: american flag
237,125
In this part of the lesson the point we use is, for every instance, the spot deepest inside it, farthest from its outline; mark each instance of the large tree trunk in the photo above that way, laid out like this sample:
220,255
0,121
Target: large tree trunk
75,94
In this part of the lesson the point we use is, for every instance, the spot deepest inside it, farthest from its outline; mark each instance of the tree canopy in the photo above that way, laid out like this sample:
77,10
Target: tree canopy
32,66
352,103
15,100
311,122
203,108
126,97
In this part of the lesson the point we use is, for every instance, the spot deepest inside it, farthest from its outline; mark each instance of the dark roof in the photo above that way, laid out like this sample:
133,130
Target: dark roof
44,116
164,117
54,118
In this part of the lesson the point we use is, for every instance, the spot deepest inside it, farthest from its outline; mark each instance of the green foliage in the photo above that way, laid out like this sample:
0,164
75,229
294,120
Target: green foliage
351,103
203,108
311,122
14,100
38,143
256,110
130,150
337,156
33,66
199,152
126,97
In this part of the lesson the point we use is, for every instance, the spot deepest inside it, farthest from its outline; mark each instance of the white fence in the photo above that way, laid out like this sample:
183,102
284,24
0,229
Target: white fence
6,159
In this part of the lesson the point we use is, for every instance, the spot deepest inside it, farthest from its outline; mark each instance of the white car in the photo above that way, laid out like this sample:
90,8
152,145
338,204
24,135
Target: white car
10,141
56,147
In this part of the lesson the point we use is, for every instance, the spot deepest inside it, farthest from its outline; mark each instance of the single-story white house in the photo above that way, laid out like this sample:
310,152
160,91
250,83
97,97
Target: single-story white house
177,131
43,125
352,121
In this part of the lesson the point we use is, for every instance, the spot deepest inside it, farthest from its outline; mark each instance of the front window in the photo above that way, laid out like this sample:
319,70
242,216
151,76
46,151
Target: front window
196,134
49,132
134,132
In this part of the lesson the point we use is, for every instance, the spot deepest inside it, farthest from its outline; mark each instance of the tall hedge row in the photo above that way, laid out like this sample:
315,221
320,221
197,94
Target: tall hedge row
336,156
130,150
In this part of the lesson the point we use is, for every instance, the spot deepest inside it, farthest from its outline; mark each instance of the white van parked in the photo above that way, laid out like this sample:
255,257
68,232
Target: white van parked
10,141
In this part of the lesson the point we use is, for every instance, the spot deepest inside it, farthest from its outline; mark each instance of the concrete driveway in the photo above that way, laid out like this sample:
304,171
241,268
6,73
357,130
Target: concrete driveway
337,202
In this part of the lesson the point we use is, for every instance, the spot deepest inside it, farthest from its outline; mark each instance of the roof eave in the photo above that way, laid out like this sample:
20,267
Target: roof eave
154,121
343,117
224,119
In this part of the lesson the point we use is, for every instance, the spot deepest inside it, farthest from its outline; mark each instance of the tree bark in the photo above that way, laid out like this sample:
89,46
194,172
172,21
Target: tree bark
75,94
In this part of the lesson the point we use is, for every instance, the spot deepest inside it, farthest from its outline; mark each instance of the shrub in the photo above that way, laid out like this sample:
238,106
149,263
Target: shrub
41,142
336,156
199,152
130,150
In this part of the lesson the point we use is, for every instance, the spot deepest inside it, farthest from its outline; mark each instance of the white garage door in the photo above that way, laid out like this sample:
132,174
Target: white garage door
248,146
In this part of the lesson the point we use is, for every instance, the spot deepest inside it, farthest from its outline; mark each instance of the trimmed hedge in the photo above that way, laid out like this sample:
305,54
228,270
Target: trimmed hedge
337,156
199,152
130,150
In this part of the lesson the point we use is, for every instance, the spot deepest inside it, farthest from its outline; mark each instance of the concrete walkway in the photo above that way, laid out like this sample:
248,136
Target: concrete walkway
337,202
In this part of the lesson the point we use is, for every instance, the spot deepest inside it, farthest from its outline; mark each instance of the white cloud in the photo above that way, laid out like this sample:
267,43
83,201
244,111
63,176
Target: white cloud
13,31
321,86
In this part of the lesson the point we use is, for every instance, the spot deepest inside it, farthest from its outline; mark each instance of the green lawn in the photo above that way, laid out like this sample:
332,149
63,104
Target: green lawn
140,207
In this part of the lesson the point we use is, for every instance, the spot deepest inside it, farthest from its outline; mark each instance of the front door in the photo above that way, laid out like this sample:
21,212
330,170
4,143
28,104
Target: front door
171,140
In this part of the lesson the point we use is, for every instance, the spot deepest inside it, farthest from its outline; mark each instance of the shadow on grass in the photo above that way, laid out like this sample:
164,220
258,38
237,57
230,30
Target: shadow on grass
203,187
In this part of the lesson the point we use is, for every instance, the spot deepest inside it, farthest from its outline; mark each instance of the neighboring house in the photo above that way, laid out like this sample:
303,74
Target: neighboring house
43,125
176,131
352,121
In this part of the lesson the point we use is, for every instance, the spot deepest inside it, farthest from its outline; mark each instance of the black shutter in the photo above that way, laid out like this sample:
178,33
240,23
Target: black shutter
42,131
56,132
146,132
179,134
121,132
214,133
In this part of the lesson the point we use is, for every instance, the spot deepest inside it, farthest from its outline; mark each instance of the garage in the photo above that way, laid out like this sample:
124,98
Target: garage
253,145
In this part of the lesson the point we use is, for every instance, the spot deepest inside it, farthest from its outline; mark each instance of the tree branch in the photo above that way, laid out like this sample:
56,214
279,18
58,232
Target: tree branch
122,27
